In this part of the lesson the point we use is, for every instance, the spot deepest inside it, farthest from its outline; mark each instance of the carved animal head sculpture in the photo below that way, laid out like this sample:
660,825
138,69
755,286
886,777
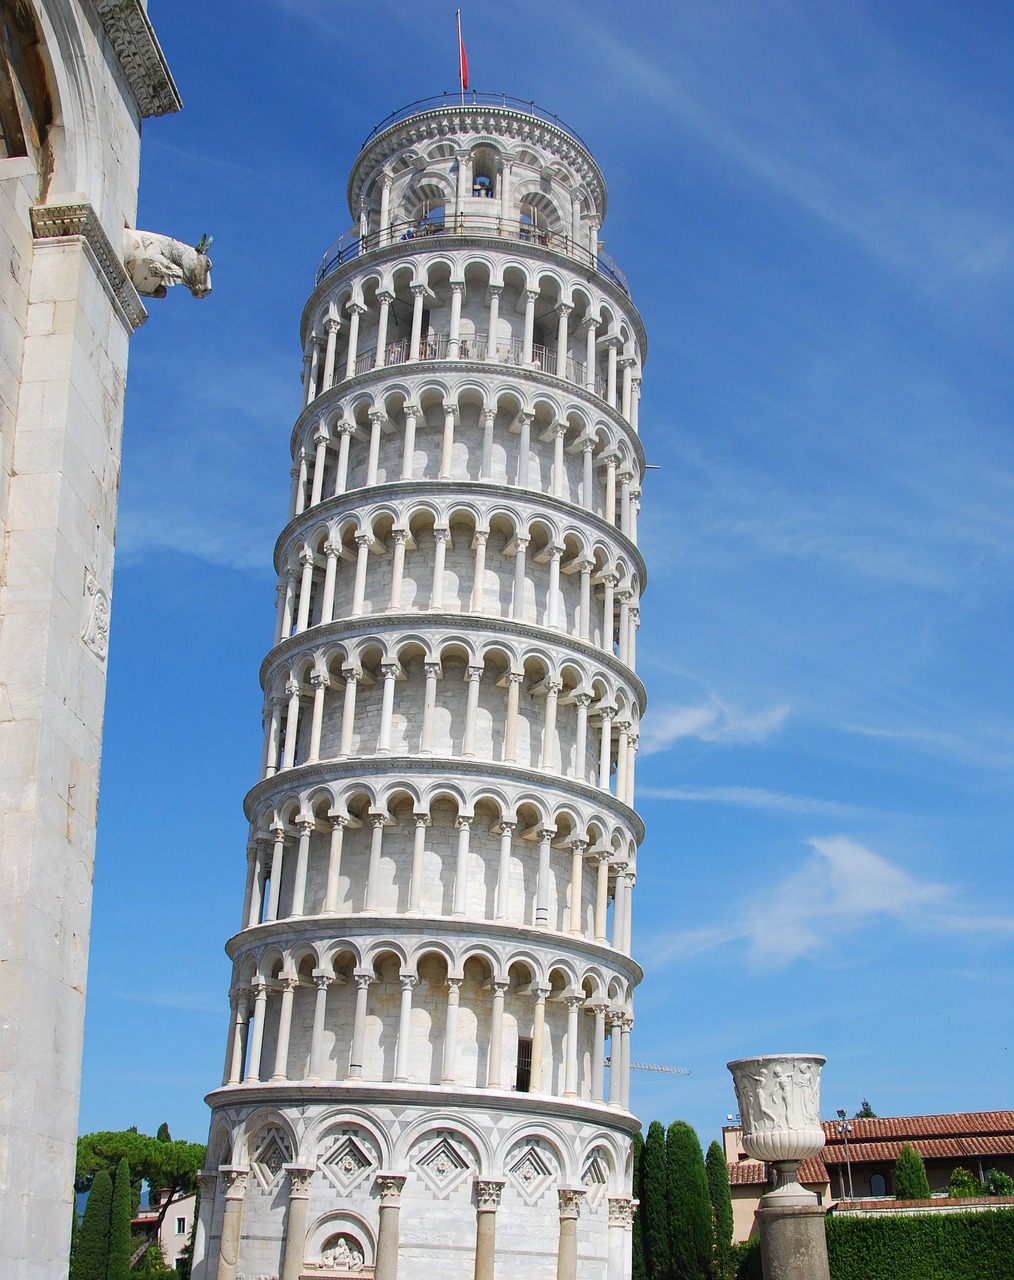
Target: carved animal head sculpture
156,262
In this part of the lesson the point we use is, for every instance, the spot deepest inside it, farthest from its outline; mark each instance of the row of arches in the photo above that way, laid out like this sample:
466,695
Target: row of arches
240,1135
352,851
454,1022
452,696
462,559
462,308
471,434
328,1196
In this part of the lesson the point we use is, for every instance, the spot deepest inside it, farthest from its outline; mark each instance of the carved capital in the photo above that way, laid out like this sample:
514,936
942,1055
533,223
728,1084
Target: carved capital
621,1211
320,679
234,1179
389,1185
487,1194
299,1180
570,1201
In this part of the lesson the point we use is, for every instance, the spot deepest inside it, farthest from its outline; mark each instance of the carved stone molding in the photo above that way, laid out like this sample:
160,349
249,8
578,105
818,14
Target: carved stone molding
55,221
143,62
95,629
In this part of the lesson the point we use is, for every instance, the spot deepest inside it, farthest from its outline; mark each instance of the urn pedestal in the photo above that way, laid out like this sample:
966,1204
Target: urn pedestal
779,1101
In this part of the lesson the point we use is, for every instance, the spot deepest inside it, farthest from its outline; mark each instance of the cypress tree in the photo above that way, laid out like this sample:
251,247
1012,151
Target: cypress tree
120,1248
910,1181
655,1221
638,1271
690,1232
91,1248
163,1134
721,1205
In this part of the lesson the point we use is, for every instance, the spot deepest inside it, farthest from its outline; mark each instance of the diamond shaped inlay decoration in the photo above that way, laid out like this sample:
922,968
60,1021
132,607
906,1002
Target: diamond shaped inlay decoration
443,1165
531,1172
271,1153
594,1179
346,1163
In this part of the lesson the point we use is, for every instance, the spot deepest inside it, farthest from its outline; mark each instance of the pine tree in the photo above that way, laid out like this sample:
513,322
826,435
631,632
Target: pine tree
910,1181
638,1270
120,1247
91,1248
690,1233
865,1112
655,1222
721,1204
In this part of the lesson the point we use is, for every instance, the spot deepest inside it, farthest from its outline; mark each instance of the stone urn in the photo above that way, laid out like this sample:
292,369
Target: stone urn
779,1103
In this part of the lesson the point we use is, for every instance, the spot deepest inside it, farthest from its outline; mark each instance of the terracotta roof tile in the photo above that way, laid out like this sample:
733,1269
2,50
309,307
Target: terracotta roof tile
944,1137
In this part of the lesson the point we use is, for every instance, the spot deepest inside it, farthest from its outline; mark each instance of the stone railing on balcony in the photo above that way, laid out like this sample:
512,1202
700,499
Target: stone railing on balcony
470,226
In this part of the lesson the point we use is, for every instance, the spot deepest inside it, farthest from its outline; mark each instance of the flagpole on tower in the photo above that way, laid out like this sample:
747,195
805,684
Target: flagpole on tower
462,62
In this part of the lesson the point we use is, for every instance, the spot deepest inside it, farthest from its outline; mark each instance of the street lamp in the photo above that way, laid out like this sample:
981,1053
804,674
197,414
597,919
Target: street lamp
845,1128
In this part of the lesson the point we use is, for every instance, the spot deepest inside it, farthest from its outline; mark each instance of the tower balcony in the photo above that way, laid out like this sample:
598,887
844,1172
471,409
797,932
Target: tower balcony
470,226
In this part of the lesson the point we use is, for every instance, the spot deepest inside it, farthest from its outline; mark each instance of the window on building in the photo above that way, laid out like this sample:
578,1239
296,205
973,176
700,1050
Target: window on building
181,1226
523,1079
878,1185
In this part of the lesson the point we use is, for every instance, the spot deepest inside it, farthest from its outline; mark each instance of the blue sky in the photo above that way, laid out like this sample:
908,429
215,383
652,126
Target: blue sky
811,201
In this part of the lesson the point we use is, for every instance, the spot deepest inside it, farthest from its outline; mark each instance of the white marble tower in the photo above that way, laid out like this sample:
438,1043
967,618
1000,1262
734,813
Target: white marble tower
427,1068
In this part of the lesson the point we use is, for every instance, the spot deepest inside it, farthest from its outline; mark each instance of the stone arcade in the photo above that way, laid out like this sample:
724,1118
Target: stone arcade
427,1065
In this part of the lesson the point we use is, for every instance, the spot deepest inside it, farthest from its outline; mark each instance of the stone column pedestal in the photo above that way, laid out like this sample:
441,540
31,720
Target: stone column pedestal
793,1242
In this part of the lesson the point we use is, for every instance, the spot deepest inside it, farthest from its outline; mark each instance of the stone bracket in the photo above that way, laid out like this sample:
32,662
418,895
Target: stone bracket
57,221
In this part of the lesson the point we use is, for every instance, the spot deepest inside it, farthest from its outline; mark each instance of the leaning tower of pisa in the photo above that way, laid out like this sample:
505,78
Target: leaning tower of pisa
427,1070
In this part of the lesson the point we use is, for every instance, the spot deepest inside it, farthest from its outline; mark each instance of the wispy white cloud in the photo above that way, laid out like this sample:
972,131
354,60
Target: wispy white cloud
840,889
756,798
710,721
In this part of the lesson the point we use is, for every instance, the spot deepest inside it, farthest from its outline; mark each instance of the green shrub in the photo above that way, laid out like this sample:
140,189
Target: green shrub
945,1246
963,1183
999,1183
910,1181
745,1261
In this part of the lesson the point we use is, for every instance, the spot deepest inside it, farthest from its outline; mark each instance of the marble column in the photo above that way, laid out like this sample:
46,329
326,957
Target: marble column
401,1056
322,979
363,981
234,1178
448,1074
494,1067
621,1226
570,1207
207,1185
294,1244
389,1185
288,983
487,1201
253,1066
334,864
538,1038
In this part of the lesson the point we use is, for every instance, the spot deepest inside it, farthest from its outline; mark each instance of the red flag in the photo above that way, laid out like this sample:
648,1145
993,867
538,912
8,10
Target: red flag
462,58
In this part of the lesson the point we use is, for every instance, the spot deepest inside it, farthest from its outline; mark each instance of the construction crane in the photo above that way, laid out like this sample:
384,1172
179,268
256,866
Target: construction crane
654,1066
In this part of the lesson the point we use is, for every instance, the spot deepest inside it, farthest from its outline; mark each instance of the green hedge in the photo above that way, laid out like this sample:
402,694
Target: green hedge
945,1246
